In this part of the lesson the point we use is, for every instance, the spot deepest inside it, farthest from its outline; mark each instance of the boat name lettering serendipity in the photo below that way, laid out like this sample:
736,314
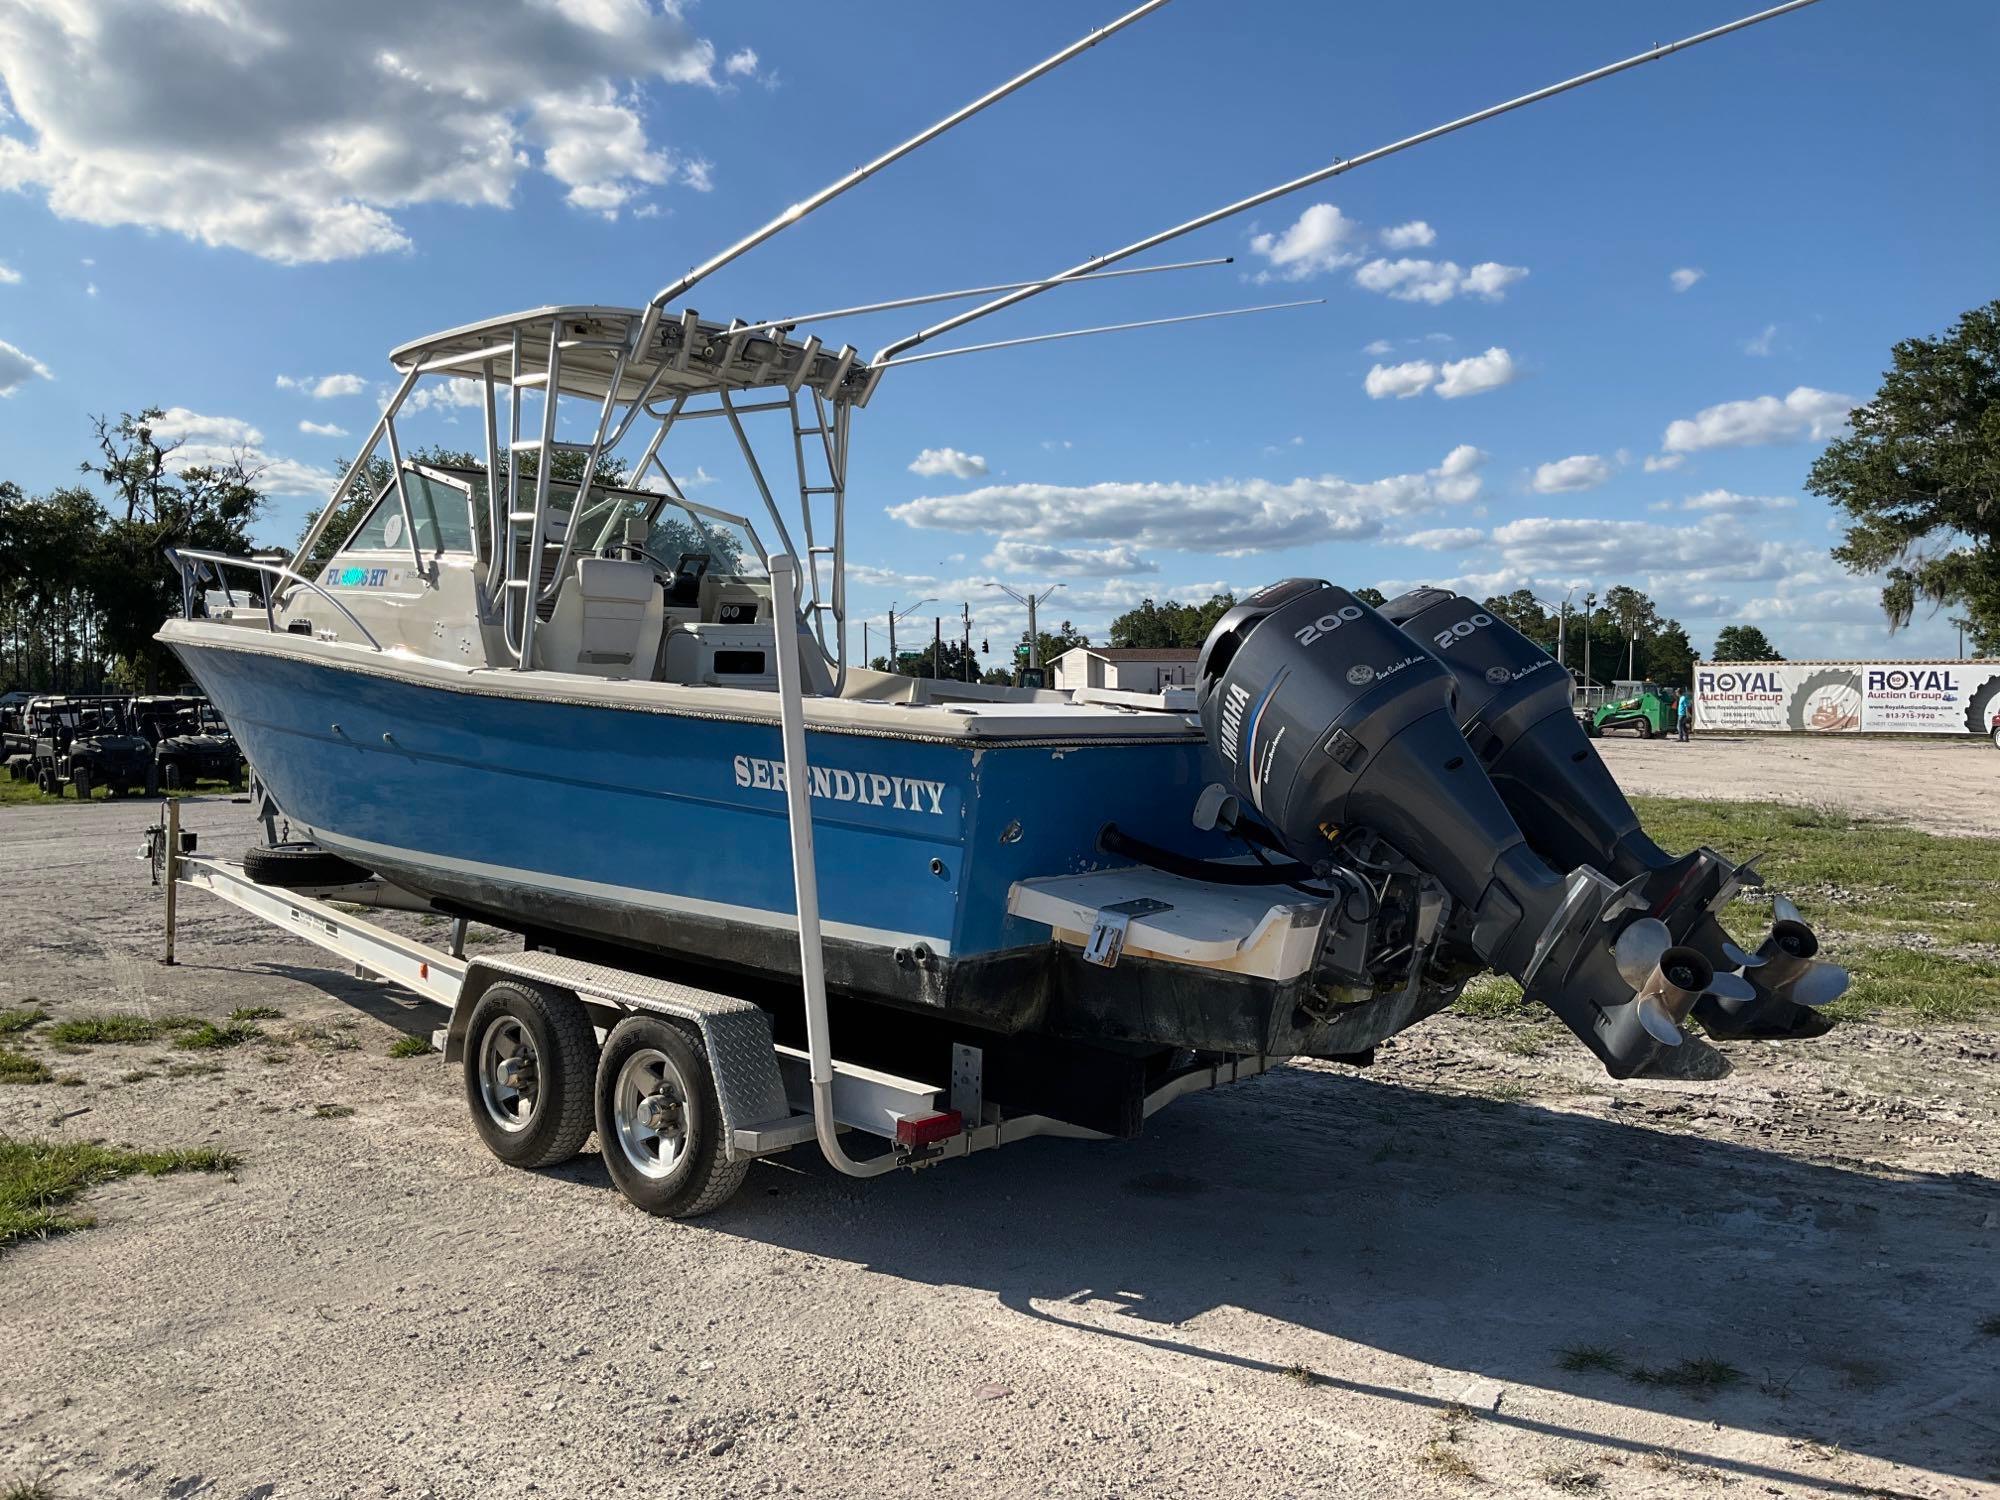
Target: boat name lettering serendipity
870,788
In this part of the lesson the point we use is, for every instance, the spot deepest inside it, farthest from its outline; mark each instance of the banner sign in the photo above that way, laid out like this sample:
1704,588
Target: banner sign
1891,697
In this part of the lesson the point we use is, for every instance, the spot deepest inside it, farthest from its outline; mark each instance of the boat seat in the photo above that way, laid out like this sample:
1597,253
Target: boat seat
606,622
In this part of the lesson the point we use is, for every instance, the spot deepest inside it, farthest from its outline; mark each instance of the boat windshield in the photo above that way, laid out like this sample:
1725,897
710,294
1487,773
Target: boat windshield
438,509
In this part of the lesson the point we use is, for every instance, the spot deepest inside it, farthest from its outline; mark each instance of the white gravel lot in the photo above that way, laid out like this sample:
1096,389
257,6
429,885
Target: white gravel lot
1323,1282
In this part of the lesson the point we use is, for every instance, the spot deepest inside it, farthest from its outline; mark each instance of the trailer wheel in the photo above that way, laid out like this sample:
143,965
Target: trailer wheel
530,1056
659,1124
79,777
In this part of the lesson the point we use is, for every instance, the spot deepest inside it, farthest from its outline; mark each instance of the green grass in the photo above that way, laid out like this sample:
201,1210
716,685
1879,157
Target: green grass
18,1067
28,1489
410,1046
1869,888
210,1037
256,1013
1705,1374
101,1031
39,1180
1578,1357
20,1019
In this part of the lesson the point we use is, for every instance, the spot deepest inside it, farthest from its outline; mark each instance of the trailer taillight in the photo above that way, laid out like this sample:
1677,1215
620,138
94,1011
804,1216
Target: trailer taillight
927,1130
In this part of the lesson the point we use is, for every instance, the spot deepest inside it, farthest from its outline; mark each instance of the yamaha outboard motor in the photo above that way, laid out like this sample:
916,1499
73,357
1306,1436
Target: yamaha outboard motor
1515,712
1331,721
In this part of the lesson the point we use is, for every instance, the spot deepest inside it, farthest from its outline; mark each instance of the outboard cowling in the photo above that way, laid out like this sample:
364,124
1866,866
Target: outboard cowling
1329,719
1514,708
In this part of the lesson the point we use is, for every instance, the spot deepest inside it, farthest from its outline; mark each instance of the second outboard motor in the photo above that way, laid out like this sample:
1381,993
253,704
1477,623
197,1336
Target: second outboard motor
1515,712
1328,718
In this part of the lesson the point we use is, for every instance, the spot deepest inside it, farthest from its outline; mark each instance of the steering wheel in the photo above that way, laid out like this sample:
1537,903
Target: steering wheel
665,570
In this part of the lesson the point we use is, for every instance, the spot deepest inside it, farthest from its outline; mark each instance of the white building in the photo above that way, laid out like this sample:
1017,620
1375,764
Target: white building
1132,669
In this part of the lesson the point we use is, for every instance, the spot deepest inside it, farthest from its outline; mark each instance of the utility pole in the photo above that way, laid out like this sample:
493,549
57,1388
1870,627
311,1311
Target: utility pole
864,643
965,625
1589,606
1033,601
895,662
937,646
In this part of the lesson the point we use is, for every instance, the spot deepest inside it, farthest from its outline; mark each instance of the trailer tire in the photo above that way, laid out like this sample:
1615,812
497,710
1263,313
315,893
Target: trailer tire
530,1062
291,868
79,777
659,1123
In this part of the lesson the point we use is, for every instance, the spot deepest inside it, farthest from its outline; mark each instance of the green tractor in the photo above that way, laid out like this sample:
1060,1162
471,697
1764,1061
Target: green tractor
1645,707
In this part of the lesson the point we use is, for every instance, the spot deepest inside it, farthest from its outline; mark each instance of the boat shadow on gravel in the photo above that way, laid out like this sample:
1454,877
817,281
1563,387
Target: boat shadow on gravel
1478,1237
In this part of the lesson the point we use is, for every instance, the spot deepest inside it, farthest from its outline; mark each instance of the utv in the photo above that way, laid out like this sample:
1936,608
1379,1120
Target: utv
190,741
86,744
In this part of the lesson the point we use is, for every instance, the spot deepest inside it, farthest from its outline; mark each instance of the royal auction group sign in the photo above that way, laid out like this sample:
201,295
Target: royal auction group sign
1828,697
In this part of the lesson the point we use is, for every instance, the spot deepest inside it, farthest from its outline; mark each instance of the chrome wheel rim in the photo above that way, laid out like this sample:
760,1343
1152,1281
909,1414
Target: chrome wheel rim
510,1074
652,1107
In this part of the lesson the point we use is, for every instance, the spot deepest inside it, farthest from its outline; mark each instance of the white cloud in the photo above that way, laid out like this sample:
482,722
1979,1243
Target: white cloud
1480,372
1444,538
1659,462
1763,343
1729,503
742,63
18,367
1315,243
1230,516
1401,381
934,461
1580,471
1806,412
453,391
1068,562
8,275
1411,236
1378,347
209,440
323,387
296,132
1436,281
322,429
1685,277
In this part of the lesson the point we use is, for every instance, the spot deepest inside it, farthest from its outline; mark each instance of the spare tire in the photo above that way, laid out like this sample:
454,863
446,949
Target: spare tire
294,867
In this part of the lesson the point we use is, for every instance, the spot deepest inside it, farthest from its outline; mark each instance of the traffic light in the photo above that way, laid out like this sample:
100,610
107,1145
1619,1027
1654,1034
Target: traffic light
984,649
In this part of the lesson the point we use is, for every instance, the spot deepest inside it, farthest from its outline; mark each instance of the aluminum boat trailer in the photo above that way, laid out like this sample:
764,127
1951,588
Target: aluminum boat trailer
685,1086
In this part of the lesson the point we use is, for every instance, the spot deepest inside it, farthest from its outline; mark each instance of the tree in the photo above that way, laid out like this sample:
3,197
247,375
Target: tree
1524,612
1744,643
1919,477
1158,626
952,662
1373,598
1669,656
1049,647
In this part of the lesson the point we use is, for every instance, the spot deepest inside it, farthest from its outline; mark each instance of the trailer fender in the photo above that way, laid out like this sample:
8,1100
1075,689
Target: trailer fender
735,1033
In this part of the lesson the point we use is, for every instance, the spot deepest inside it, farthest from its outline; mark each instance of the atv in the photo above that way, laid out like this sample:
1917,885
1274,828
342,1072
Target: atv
85,743
190,742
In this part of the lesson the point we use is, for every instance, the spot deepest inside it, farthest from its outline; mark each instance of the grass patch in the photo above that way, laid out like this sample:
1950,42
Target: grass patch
28,1489
1493,997
1704,1374
256,1013
332,1111
137,1075
40,1179
19,1020
1572,1479
193,1069
209,1037
18,1067
1440,1458
1579,1357
115,1031
410,1046
1909,983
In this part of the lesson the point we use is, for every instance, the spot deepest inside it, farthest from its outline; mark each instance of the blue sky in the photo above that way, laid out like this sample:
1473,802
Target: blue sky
1506,386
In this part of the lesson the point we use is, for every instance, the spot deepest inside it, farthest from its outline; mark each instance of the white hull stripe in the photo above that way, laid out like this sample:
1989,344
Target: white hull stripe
624,895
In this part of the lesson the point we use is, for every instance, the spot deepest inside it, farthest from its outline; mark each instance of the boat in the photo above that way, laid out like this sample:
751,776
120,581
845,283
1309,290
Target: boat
550,692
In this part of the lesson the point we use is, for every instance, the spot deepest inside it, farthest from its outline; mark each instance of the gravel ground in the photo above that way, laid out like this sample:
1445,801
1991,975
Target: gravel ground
1322,1282
1942,786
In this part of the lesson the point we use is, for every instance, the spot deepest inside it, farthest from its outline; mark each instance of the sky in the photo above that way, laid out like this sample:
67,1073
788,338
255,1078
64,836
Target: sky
1597,341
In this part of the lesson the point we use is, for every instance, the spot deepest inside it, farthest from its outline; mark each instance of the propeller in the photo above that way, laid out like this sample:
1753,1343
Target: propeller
1667,979
1787,962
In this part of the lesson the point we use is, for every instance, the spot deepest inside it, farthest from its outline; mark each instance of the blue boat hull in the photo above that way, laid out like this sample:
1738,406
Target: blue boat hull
665,833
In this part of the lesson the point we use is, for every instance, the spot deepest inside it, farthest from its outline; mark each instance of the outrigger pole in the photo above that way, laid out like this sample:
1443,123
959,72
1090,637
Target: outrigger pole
1339,166
1077,333
861,174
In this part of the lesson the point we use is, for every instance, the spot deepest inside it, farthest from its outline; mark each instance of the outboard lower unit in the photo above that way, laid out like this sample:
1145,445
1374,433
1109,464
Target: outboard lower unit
1337,728
1514,709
